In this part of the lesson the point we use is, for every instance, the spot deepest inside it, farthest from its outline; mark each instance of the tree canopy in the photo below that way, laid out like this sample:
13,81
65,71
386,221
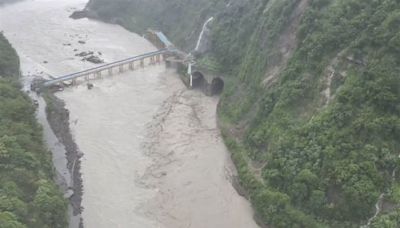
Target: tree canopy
29,197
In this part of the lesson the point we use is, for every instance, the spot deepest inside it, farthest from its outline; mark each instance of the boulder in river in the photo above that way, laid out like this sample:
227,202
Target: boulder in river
79,14
93,59
82,54
89,86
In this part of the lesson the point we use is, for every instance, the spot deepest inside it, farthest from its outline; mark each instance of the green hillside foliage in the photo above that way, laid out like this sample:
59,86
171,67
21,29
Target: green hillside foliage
332,162
9,62
138,16
28,196
326,130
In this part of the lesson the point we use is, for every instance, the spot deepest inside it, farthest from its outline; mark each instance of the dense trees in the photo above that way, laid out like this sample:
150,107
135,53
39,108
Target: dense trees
331,161
28,195
324,124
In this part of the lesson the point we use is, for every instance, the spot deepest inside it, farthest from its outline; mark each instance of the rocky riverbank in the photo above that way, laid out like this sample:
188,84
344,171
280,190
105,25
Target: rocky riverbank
58,118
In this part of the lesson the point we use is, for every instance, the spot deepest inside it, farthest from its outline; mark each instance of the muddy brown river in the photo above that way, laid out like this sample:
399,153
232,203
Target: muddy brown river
153,155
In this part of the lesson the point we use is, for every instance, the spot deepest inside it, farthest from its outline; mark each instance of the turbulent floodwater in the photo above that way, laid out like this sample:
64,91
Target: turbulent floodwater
153,156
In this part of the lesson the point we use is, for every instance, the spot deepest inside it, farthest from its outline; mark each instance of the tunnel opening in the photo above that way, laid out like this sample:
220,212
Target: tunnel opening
217,86
198,80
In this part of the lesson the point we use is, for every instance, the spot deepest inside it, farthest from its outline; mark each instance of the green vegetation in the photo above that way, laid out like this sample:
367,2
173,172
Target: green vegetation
390,220
323,123
166,15
28,195
330,162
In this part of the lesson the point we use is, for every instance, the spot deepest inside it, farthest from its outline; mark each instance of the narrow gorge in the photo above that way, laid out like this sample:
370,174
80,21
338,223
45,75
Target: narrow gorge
305,131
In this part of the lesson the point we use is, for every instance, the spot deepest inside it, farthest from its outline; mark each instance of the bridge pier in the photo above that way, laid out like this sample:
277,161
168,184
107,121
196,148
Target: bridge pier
158,58
189,72
155,57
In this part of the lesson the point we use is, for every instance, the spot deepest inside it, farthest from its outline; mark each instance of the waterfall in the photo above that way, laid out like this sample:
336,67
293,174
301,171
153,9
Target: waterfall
378,205
378,208
202,33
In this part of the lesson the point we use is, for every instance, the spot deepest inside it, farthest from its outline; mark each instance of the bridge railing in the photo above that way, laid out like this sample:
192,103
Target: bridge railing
103,67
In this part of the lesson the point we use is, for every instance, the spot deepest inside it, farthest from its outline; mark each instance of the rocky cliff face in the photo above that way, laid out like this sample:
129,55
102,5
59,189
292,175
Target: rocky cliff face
311,107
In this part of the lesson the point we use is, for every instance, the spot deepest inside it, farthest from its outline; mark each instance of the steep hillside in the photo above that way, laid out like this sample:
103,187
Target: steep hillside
325,132
139,15
28,195
311,107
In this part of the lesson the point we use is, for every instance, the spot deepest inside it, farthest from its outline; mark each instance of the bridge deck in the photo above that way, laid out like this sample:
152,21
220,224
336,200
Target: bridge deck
103,67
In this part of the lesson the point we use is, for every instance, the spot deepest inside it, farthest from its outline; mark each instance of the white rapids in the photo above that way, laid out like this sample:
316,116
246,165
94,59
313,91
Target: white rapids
153,155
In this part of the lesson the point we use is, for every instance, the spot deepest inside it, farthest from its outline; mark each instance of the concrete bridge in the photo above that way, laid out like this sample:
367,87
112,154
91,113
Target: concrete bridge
129,63
194,78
